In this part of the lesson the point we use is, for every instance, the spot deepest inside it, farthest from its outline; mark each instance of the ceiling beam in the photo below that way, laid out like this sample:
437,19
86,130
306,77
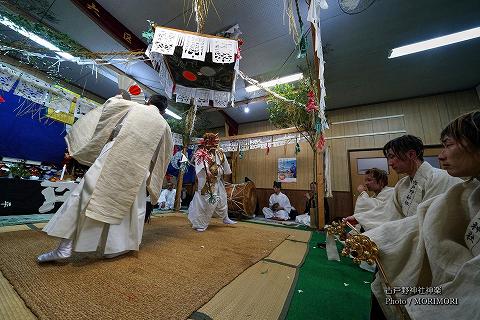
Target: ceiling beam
110,24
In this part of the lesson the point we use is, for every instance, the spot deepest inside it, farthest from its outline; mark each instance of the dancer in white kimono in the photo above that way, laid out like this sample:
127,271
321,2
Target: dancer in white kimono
210,198
367,208
279,206
167,198
128,146
439,248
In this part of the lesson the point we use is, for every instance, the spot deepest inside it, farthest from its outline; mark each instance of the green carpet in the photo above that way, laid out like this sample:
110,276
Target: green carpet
330,289
24,219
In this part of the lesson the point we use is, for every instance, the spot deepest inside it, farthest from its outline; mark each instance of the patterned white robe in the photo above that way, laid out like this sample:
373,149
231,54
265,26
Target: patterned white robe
201,210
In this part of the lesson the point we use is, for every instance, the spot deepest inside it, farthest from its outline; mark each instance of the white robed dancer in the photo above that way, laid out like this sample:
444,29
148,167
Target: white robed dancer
210,199
128,146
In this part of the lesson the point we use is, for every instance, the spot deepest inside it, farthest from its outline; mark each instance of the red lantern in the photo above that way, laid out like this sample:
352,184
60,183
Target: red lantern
135,90
189,75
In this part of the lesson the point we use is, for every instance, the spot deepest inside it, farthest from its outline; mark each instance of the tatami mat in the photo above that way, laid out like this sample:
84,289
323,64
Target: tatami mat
258,293
297,235
289,252
11,305
14,228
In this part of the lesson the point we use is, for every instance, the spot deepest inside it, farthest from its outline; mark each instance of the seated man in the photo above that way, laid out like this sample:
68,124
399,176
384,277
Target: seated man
167,198
439,247
368,209
405,156
310,203
279,205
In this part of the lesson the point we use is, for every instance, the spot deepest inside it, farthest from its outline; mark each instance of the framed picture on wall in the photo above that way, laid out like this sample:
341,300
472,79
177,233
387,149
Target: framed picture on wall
368,163
287,170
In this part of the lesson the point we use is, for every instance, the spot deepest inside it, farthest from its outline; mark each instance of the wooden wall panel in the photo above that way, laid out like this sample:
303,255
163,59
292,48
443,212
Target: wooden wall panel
424,117
262,168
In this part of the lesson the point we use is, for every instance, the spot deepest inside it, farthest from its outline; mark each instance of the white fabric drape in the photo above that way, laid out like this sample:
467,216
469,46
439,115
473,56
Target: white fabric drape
70,221
430,250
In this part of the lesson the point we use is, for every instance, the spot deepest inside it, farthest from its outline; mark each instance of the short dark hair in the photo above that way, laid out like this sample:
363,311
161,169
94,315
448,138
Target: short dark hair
158,101
277,184
465,130
401,145
125,94
379,175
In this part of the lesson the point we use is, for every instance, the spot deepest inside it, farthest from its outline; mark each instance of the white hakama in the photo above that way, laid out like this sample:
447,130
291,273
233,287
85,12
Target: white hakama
70,222
201,210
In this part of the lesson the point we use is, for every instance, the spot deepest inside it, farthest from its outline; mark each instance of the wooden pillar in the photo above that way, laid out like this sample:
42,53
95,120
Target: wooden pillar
320,191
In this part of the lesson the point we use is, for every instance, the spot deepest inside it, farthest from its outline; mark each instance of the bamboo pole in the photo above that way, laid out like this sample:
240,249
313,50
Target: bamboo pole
178,200
320,194
189,123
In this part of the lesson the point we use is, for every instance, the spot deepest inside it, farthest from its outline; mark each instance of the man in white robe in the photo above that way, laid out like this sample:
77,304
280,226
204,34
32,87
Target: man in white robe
439,247
112,193
368,208
279,206
405,156
167,198
210,199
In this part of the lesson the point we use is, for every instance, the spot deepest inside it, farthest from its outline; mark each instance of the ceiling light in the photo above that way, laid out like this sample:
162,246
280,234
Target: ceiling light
44,43
271,83
246,110
435,42
172,114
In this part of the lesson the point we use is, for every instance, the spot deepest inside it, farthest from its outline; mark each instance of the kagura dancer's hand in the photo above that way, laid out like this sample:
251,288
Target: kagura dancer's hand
361,188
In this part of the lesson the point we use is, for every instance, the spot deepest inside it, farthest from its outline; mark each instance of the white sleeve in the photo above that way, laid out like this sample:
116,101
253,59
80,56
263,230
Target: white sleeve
271,201
171,200
365,203
226,167
162,196
460,294
286,203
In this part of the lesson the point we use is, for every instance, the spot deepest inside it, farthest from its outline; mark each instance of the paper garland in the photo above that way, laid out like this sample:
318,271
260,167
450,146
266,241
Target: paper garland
194,47
60,104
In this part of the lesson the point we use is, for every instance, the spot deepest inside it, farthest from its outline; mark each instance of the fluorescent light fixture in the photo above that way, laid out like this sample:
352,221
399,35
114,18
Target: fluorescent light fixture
271,83
246,110
435,42
44,43
173,114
